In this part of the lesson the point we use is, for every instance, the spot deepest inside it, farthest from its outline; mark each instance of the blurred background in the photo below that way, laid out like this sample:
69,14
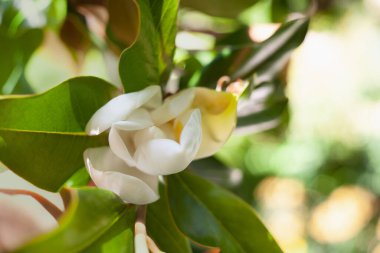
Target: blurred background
312,171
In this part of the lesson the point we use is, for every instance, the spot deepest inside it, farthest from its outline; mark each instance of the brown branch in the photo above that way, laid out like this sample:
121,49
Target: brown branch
49,206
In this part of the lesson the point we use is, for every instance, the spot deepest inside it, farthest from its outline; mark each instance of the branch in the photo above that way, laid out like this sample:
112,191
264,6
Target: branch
49,206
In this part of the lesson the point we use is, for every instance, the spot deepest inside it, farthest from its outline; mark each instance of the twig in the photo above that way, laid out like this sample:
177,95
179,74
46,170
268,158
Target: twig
50,207
143,243
221,82
140,231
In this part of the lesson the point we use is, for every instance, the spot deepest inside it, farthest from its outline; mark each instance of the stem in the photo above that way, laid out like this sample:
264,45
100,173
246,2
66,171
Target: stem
140,231
50,207
143,243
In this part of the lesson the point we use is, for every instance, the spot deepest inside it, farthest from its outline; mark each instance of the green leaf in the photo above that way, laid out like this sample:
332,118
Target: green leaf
273,112
221,8
214,217
162,229
79,178
147,61
212,169
51,125
270,56
95,221
56,13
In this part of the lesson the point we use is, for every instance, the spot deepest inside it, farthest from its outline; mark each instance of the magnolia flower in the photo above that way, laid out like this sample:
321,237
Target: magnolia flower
149,137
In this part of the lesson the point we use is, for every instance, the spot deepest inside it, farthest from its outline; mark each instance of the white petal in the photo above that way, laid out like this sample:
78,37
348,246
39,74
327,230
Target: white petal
191,136
138,119
173,106
123,132
165,156
109,172
121,145
141,137
120,107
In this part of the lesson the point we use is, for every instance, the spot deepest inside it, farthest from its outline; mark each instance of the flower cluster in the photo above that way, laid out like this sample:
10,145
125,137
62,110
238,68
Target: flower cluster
149,137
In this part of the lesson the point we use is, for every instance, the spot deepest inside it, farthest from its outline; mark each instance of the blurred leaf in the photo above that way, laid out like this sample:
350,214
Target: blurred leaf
162,229
245,61
239,37
56,13
51,124
221,8
270,112
146,61
190,67
75,36
21,15
15,52
282,8
212,216
212,169
123,21
95,221
265,108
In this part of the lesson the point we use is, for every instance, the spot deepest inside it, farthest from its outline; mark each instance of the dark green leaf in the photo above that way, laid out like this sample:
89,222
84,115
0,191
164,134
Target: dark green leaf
96,221
162,229
51,125
212,169
268,114
212,216
271,55
265,108
282,8
221,8
147,61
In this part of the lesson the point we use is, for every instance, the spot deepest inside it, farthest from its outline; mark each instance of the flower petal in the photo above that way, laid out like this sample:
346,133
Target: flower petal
218,119
121,145
122,134
109,172
165,156
173,106
121,106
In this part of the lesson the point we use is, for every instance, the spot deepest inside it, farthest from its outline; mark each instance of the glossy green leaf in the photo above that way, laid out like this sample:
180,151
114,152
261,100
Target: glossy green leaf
272,112
270,55
147,61
212,216
221,8
51,125
78,179
162,229
95,221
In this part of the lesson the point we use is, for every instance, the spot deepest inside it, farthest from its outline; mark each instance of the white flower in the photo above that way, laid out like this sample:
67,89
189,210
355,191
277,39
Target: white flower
149,137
